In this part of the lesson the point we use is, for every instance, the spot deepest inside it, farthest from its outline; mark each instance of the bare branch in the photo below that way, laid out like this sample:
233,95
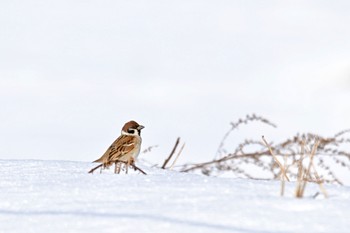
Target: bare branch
171,154
177,156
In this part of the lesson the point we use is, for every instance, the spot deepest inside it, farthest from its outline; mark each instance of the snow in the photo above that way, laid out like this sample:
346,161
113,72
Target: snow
60,196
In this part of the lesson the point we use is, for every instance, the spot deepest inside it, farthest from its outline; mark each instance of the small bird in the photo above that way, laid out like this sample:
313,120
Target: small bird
124,149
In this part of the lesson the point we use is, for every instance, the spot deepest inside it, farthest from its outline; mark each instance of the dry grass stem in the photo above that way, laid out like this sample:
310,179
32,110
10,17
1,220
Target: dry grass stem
171,154
275,158
234,125
319,181
332,152
305,175
177,156
149,149
283,181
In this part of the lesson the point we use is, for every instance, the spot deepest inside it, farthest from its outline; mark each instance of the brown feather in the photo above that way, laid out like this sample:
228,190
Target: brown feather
130,124
123,145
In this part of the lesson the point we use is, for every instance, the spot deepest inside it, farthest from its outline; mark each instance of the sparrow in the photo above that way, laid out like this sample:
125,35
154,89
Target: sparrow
125,149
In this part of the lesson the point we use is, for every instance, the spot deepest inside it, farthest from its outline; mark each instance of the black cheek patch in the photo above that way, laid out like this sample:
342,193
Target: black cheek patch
131,131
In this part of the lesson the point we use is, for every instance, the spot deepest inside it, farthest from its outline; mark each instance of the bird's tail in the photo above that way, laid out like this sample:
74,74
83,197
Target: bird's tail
100,160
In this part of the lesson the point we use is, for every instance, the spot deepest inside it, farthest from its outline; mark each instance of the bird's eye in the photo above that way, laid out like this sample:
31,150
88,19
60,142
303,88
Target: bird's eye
131,131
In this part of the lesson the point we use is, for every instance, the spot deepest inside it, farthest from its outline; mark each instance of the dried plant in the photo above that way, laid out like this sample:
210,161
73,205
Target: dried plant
304,175
330,150
149,149
177,156
172,153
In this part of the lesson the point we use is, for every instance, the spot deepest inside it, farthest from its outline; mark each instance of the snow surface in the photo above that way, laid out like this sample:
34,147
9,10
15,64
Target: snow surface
60,196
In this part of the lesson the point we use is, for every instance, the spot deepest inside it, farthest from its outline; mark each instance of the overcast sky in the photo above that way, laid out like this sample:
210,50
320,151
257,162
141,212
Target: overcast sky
73,72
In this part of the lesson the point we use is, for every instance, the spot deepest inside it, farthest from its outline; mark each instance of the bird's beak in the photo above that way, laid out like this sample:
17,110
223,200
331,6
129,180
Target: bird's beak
140,127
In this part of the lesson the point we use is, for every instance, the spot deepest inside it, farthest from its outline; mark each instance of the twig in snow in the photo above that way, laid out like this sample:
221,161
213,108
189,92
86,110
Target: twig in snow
171,154
118,161
275,158
177,156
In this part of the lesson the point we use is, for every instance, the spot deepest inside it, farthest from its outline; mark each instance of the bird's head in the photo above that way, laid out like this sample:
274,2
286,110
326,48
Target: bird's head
132,128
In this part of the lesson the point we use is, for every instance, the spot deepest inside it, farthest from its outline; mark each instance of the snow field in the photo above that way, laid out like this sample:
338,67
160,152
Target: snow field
60,196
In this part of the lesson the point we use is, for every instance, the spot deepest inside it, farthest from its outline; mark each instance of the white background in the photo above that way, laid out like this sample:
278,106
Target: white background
73,72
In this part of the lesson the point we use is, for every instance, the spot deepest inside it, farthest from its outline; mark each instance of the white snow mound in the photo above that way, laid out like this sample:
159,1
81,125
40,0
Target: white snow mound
60,196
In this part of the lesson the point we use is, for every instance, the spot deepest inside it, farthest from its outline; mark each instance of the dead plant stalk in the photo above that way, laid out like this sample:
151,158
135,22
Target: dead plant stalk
276,160
177,156
171,154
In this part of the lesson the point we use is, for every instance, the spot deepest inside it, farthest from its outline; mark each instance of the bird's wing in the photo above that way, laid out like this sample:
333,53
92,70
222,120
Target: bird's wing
104,158
123,145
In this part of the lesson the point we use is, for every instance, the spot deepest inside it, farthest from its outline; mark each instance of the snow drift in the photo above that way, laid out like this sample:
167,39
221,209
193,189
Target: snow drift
60,196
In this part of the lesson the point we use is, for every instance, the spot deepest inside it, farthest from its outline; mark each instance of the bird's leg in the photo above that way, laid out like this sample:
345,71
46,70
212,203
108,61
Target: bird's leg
132,164
103,166
127,166
117,167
